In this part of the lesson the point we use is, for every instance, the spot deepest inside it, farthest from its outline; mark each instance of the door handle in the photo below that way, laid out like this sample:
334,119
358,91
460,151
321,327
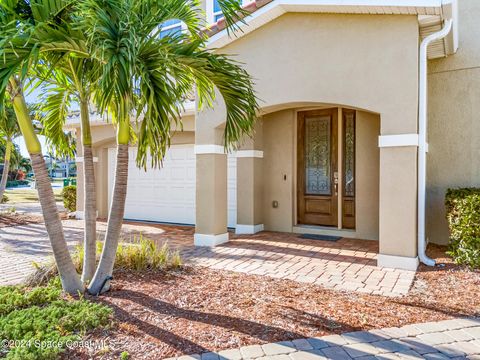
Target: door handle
335,182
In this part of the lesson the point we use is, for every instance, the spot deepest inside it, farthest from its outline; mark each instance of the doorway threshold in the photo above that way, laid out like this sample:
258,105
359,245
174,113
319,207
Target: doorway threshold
324,230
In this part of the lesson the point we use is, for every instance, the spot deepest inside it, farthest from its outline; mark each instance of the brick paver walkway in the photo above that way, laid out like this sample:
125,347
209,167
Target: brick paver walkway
347,264
450,339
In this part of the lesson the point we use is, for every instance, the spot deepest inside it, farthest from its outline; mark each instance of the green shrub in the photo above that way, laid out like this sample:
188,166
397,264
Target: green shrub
4,199
69,194
42,321
16,183
463,215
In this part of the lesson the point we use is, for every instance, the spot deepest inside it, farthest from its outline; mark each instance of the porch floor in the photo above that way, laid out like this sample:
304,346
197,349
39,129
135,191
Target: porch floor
347,264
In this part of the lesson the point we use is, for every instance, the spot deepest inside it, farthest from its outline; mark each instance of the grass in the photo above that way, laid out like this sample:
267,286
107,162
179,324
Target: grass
39,323
26,195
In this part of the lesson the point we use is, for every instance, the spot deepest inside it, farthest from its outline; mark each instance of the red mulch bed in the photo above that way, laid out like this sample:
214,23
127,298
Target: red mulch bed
162,315
12,219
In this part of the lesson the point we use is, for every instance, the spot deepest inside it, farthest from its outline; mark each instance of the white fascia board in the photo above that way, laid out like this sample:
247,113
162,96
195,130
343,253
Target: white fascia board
277,8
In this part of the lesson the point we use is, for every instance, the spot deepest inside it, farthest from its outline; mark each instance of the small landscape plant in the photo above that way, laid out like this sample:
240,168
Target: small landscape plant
463,215
38,323
69,195
139,254
4,199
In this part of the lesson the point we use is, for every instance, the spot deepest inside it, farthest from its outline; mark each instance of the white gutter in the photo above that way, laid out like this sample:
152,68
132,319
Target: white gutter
422,137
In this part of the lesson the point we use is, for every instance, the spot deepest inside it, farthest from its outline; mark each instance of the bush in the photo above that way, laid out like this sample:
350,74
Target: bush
16,183
4,199
41,321
463,215
69,194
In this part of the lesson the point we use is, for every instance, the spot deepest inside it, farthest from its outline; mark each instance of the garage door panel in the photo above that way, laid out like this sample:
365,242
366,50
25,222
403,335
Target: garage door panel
168,194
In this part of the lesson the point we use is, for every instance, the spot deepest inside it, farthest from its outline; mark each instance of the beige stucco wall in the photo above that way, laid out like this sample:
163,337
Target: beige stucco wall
278,161
361,61
367,175
454,120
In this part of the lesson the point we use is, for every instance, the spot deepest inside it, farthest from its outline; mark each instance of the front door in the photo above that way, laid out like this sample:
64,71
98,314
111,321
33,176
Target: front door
318,167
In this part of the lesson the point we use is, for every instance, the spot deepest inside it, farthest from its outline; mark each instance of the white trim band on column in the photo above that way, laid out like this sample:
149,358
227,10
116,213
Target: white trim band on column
398,262
80,215
80,159
248,229
249,154
398,140
209,240
209,149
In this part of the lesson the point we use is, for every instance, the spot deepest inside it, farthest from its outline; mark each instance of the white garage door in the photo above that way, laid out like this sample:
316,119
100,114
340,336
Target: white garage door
168,194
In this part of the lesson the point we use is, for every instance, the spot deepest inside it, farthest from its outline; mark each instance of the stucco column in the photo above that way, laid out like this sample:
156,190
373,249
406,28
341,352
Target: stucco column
250,184
79,213
101,180
211,178
398,201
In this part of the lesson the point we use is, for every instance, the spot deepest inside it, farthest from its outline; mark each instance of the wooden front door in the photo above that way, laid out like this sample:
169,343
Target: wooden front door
317,182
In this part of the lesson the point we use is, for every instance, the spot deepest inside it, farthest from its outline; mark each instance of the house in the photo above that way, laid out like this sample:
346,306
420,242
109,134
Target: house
60,168
345,135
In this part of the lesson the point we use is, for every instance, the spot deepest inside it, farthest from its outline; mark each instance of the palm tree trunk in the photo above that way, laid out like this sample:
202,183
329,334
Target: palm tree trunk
90,202
6,166
100,284
70,280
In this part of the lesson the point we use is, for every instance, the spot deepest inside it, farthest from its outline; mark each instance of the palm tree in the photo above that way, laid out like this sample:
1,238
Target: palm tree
8,131
145,75
72,78
22,29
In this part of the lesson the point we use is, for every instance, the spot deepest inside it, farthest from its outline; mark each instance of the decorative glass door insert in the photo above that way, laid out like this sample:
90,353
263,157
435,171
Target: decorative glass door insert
318,155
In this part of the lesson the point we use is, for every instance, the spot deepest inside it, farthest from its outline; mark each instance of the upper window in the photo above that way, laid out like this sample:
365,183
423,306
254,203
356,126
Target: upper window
171,27
217,12
214,12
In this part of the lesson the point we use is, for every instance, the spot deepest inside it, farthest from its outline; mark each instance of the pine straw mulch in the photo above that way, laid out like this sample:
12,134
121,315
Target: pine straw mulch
14,219
195,310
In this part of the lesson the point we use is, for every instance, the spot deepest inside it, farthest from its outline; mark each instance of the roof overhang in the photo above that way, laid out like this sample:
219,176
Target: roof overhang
431,15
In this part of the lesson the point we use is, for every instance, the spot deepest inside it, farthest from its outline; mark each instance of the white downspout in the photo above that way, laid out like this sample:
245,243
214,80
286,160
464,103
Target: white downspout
422,138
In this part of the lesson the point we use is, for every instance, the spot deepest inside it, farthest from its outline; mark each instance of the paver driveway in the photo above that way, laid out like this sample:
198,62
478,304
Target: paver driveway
343,265
449,339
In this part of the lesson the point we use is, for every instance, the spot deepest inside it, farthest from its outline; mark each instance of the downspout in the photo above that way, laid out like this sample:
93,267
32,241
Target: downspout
422,138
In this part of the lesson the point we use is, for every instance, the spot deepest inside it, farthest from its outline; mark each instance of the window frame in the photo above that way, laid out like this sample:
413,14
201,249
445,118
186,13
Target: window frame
211,14
180,24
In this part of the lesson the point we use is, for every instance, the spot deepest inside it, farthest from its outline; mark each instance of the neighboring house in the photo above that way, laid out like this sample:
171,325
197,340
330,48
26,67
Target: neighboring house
60,168
337,146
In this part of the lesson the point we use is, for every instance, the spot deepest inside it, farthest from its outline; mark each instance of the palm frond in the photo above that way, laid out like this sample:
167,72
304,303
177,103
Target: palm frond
55,105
